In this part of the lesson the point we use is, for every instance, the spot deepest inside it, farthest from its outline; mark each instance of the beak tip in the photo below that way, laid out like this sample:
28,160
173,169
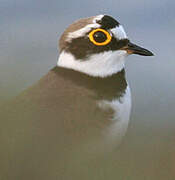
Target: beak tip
150,54
138,50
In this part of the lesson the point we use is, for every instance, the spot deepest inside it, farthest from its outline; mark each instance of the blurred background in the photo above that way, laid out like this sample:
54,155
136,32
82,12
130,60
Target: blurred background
29,33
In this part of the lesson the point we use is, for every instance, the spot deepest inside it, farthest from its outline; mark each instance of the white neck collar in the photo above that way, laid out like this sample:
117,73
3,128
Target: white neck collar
101,65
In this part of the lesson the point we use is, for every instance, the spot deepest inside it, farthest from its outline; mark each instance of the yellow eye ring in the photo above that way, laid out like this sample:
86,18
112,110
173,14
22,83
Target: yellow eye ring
108,37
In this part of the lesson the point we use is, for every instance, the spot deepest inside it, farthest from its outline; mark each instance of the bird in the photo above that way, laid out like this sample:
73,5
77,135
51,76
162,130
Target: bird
78,112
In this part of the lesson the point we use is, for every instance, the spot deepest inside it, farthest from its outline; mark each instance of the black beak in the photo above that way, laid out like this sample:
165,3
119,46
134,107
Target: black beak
134,49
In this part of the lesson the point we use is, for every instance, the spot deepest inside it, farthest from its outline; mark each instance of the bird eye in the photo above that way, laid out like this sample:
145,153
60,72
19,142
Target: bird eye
100,37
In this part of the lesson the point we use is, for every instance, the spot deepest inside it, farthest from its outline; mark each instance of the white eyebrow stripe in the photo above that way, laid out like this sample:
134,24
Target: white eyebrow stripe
81,32
119,32
97,18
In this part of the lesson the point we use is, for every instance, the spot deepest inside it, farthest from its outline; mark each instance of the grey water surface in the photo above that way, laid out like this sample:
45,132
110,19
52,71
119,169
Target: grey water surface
29,32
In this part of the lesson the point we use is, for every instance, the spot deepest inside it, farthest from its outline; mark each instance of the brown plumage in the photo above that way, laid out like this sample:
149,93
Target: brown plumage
56,118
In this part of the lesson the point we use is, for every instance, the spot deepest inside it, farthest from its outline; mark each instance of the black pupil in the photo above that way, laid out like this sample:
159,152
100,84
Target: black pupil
99,37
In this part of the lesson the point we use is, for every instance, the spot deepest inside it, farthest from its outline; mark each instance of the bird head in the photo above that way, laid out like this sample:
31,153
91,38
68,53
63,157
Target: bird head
96,46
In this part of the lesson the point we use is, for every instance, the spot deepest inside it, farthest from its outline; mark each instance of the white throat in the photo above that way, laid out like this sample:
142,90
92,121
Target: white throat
101,64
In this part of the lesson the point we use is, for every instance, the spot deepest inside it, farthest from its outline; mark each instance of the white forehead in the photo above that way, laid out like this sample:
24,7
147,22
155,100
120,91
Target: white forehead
81,32
119,32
